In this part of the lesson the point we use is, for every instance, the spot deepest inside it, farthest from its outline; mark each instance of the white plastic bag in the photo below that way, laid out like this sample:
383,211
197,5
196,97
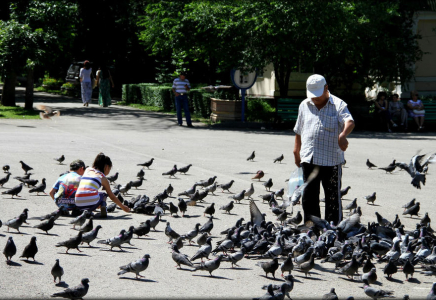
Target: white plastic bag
295,181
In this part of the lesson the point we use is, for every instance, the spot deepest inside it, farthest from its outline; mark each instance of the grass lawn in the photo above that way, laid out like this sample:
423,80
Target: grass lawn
17,112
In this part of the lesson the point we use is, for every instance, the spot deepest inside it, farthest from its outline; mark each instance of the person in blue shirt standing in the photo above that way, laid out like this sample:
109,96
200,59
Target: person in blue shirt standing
181,86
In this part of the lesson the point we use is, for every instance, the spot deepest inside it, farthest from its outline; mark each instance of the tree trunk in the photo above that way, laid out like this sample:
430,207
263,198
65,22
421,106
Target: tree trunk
8,92
282,72
28,98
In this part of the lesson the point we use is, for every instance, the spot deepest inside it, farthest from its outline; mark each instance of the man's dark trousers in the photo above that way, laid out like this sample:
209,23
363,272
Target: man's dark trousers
182,102
331,179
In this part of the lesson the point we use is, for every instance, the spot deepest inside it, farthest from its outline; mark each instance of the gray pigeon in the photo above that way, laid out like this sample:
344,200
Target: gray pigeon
185,169
268,184
409,204
5,179
204,251
288,286
352,205
370,165
169,189
189,191
136,266
279,159
90,236
171,172
413,211
350,268
238,197
370,198
173,209
57,271
251,157
56,214
116,241
210,210
210,265
169,232
179,258
432,294
249,192
330,296
211,188
208,226
147,163
60,159
280,193
77,292
72,243
26,168
10,249
287,265
155,221
137,183
374,293
113,178
80,220
182,206
192,234
202,239
235,257
88,226
371,276
14,191
226,186
269,267
16,223
40,188
143,229
228,207
31,249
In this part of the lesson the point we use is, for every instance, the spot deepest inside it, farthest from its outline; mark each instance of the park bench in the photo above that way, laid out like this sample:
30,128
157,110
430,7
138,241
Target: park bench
287,109
430,110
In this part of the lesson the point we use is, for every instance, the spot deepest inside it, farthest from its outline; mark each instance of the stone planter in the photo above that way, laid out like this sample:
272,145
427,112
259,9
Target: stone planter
225,110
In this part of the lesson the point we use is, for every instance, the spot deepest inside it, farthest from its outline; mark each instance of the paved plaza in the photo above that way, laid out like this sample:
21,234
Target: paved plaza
129,137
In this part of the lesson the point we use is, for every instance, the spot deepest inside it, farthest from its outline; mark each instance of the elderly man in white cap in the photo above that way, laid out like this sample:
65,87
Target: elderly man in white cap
323,125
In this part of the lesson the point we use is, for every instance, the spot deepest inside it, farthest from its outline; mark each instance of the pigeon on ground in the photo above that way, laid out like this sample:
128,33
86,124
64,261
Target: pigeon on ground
425,221
211,188
77,292
30,182
90,236
26,168
202,238
31,249
87,227
46,225
185,169
390,268
72,243
40,188
210,210
413,211
228,207
147,163
330,296
287,265
169,189
374,293
57,271
60,160
382,221
169,232
259,175
179,258
251,157
137,183
116,241
350,268
111,207
210,265
171,172
279,159
80,220
173,209
309,265
136,266
248,193
182,206
432,294
235,257
155,221
113,178
140,174
370,165
204,250
336,258
56,214
226,186
16,223
267,197
352,205
189,191
238,197
279,193
6,168
192,234
268,184
370,276
10,249
143,229
256,217
408,269
370,198
208,226
5,179
269,267
128,235
14,191
388,169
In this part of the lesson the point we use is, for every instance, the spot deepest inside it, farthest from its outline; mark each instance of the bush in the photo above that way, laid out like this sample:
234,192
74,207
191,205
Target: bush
51,83
260,110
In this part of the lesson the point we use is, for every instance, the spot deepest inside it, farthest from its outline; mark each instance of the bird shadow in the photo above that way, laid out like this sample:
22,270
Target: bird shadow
50,234
32,262
213,277
271,278
119,251
394,280
10,232
245,173
124,217
13,264
145,239
2,234
238,268
90,247
309,277
374,204
62,284
76,254
414,280
138,279
130,247
58,224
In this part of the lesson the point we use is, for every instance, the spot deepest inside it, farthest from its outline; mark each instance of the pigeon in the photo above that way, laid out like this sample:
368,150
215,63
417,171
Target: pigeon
279,193
425,221
235,257
128,235
179,258
370,198
296,220
56,214
192,234
25,215
137,183
173,209
46,225
279,159
143,229
111,207
171,172
77,292
112,178
31,249
88,226
57,271
350,268
382,221
211,188
6,168
390,268
251,157
25,167
432,294
60,160
248,193
259,175
208,226
169,232
226,186
370,165
91,235
287,265
40,188
189,191
238,197
147,163
368,266
72,243
169,189
140,174
30,182
16,223
10,249
136,266
80,220
352,205
330,296
269,267
185,169
182,206
370,276
116,241
374,293
210,265
5,179
22,178
204,250
125,188
210,210
14,191
388,169
256,217
267,197
345,191
413,211
268,184
408,269
336,258
309,265
154,221
47,112
415,170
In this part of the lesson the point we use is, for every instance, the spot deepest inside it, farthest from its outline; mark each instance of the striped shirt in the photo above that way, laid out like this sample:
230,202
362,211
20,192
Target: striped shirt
320,129
90,183
179,85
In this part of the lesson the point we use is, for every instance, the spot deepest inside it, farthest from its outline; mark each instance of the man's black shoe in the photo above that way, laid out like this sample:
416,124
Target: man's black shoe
190,125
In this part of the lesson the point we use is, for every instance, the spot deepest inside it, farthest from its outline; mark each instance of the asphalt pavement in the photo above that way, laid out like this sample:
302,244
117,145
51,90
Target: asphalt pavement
129,137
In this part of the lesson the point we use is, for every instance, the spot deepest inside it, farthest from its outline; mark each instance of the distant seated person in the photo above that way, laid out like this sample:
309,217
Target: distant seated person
416,110
64,190
87,196
397,111
382,111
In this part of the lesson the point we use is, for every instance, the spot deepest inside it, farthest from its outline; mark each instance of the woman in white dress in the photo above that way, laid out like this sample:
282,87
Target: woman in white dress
86,83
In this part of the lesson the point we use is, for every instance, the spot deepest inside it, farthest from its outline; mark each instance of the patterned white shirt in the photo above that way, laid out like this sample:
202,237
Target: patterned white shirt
320,129
179,85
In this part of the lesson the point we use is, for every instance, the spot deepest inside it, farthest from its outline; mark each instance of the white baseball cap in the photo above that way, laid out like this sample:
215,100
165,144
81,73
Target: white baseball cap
315,85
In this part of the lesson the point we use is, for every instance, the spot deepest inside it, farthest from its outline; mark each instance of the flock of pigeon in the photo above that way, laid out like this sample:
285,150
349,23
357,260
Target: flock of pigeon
275,237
